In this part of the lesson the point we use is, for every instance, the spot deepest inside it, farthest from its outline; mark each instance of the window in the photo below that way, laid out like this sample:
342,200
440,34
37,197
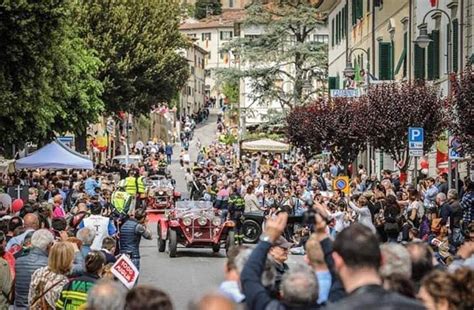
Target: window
402,61
191,35
231,3
321,38
419,62
206,36
226,35
385,61
433,56
357,10
332,82
332,32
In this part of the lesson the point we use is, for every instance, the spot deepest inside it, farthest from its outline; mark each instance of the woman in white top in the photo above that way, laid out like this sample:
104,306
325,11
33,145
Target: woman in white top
251,201
364,216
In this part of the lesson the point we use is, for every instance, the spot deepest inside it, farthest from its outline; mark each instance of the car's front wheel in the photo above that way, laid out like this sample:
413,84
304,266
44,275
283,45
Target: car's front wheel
251,231
216,248
172,242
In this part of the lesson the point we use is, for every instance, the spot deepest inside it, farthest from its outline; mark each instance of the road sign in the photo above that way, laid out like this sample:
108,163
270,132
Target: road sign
415,141
342,183
455,148
125,271
345,93
415,152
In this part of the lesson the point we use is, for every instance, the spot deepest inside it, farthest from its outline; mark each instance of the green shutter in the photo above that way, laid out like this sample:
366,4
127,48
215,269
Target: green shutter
419,62
401,61
353,11
338,21
455,45
332,82
332,32
433,51
385,61
360,8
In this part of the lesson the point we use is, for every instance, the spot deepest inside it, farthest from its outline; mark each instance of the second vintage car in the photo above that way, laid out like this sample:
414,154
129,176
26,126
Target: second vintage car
194,224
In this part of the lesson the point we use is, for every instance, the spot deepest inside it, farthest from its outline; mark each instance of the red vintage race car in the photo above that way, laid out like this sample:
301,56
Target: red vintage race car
194,224
161,194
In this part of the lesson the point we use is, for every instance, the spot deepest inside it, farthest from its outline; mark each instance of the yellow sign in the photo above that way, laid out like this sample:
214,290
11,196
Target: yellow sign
342,183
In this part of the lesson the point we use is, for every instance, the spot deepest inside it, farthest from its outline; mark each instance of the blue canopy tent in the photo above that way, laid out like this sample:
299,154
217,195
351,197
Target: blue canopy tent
55,155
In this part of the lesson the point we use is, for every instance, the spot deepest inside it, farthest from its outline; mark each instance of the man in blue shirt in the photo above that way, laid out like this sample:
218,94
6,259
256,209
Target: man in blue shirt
91,184
169,152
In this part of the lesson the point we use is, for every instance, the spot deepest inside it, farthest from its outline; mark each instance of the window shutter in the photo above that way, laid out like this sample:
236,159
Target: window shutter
332,82
222,35
332,32
419,62
433,56
455,45
385,61
353,7
338,21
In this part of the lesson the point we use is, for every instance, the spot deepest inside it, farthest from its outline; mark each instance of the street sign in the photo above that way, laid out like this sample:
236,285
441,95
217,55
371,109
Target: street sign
125,271
415,152
345,93
415,141
455,148
342,183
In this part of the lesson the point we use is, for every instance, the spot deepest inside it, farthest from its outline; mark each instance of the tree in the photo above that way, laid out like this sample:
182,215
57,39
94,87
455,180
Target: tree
48,81
461,113
203,8
334,125
230,89
281,61
138,42
391,108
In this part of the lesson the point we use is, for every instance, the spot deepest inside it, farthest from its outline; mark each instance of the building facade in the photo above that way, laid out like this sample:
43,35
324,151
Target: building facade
211,34
226,4
379,38
193,95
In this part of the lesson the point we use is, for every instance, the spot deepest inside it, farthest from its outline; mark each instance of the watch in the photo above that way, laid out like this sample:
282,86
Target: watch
265,238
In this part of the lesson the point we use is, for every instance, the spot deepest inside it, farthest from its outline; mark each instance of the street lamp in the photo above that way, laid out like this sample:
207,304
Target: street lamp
423,41
349,70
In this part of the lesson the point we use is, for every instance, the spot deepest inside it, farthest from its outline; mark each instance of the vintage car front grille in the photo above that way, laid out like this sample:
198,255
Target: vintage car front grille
202,232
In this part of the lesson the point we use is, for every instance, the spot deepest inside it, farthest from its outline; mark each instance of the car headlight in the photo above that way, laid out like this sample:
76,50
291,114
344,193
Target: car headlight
160,193
216,221
187,221
202,221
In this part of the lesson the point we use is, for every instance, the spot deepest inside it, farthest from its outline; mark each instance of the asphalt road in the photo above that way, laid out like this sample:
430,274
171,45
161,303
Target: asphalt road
194,271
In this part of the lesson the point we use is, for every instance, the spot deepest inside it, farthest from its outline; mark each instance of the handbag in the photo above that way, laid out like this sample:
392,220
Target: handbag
436,225
43,304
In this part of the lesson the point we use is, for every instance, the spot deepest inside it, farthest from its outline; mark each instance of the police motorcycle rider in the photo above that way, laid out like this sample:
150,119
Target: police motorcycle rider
131,232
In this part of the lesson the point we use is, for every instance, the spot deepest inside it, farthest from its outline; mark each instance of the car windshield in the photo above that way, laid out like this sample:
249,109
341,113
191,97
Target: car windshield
192,208
161,183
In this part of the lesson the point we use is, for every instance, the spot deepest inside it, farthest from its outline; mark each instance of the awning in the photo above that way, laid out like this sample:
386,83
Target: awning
55,155
265,145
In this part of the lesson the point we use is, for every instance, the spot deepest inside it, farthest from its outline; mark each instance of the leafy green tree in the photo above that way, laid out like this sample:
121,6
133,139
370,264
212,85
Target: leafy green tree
207,7
230,89
48,79
138,42
282,60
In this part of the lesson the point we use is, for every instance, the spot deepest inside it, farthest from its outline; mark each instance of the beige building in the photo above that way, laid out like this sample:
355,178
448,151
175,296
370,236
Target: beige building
193,95
211,34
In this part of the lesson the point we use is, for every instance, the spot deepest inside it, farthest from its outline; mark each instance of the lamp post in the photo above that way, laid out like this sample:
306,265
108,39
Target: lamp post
423,41
348,72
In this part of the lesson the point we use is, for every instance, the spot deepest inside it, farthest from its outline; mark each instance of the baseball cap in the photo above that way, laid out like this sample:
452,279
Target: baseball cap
282,243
